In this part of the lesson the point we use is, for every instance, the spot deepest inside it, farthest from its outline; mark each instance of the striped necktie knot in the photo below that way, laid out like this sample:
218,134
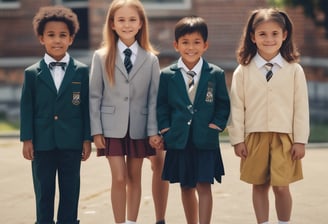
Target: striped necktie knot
127,60
191,82
268,66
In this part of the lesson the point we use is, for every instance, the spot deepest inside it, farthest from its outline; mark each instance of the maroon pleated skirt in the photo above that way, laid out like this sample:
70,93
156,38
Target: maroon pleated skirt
136,148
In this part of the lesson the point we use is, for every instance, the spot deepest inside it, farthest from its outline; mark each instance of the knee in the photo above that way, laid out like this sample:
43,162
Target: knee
156,166
261,188
281,190
119,181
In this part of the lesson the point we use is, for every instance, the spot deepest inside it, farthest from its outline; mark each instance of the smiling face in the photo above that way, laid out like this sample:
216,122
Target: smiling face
127,23
268,37
56,39
191,47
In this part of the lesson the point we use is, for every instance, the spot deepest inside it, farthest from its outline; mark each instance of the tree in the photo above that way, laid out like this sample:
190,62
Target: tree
315,9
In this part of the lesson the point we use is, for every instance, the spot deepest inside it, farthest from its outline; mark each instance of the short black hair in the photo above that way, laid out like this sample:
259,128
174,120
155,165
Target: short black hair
55,13
191,24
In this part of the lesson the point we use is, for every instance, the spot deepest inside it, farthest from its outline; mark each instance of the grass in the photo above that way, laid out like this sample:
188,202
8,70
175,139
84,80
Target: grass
319,133
6,126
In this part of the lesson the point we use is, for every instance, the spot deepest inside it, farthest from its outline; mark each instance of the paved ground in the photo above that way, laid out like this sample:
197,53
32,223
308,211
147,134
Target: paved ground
232,198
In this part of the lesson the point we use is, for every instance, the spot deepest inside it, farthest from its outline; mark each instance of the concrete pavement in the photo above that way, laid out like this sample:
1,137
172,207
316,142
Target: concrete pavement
232,199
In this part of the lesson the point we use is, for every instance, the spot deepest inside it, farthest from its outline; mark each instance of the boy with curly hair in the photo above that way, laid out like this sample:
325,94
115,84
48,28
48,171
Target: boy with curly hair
55,124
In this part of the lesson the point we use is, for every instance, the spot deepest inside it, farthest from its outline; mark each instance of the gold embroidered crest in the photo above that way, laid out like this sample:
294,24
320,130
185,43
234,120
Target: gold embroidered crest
76,100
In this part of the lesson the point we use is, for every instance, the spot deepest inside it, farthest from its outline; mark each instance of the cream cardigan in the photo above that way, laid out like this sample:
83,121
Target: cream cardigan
280,105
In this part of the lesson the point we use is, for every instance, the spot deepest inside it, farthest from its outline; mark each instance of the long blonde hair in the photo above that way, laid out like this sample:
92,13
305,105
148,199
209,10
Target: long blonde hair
110,37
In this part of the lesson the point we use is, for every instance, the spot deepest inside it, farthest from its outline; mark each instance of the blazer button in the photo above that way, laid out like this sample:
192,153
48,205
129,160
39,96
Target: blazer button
126,98
55,117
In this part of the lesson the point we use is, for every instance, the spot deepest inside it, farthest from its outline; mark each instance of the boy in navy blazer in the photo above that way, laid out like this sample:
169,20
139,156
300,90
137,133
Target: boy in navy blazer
55,124
192,108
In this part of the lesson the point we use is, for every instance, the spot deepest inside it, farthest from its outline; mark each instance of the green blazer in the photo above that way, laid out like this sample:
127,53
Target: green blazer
175,110
55,120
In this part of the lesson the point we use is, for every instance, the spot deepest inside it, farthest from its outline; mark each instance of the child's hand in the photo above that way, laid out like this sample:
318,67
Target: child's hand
213,126
298,151
156,142
241,150
28,151
86,150
99,141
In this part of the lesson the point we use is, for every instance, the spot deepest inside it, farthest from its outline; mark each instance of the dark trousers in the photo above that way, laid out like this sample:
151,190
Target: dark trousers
45,167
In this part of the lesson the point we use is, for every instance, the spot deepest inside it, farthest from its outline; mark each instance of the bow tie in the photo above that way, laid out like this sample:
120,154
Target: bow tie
56,63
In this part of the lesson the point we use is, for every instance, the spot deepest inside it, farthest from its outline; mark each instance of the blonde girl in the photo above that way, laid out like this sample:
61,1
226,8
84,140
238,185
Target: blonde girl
123,92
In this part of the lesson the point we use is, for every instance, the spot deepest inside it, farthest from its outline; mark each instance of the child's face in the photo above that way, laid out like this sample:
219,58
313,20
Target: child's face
56,39
127,24
191,47
268,37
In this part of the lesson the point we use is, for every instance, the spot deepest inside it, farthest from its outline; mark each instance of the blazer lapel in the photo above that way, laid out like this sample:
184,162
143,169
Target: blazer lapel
67,77
203,81
46,77
178,80
141,57
120,65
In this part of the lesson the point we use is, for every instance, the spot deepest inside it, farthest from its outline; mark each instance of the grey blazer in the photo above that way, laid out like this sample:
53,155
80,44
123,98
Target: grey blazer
130,103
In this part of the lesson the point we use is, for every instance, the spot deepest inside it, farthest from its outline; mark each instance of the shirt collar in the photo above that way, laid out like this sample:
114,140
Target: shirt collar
48,58
121,47
197,68
260,62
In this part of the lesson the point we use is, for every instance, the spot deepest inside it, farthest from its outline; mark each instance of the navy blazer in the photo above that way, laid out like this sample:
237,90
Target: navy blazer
55,120
176,111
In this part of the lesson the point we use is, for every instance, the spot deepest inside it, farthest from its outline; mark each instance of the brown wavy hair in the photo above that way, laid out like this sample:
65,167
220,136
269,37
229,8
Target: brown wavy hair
247,49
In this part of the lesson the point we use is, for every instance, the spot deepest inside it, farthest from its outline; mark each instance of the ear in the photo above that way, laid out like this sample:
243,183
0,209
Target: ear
175,45
252,37
205,45
40,37
284,35
71,39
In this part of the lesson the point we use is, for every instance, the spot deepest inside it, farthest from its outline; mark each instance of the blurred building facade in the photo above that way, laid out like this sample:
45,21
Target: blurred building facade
226,18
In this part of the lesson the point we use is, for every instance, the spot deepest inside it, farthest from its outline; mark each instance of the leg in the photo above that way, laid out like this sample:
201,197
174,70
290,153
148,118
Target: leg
261,202
118,192
283,202
190,204
44,181
205,202
160,188
69,164
134,170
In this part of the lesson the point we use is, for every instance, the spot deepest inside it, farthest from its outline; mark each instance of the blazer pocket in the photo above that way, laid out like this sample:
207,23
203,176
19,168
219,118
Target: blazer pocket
108,110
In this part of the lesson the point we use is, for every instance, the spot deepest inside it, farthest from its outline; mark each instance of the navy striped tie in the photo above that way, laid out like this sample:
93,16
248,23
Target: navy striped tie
268,67
127,59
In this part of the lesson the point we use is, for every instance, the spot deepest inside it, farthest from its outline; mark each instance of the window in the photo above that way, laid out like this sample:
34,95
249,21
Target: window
167,4
80,7
9,4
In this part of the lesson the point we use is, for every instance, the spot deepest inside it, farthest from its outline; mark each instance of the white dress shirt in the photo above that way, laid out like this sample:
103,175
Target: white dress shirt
57,72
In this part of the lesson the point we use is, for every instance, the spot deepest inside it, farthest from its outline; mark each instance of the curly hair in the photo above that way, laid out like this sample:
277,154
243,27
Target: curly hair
55,13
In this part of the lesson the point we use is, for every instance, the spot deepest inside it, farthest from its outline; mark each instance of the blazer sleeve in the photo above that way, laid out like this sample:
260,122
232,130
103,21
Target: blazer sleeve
163,108
96,87
222,102
152,98
26,107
